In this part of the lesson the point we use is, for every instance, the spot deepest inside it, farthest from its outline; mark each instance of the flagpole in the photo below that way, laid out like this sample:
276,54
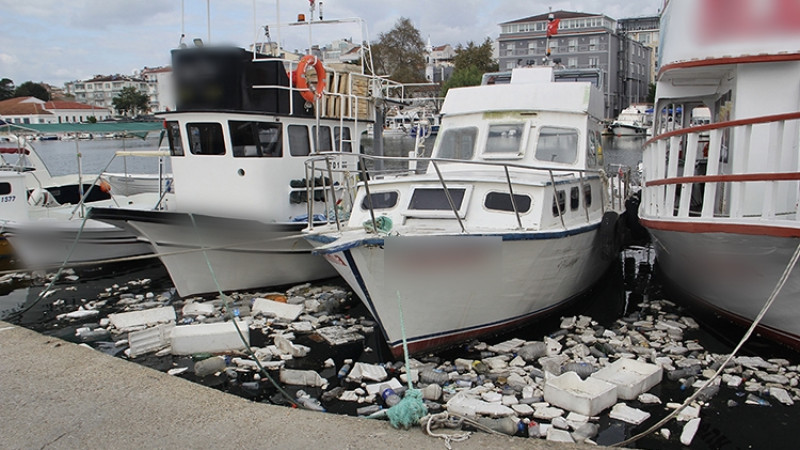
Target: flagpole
550,18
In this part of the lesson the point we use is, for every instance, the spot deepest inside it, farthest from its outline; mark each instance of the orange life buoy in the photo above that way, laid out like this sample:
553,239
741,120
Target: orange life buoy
104,186
301,82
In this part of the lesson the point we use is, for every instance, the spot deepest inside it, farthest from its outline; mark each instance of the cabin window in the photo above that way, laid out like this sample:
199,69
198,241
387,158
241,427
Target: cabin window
325,144
458,143
593,151
504,138
341,136
561,196
5,188
205,139
174,137
574,198
587,195
380,200
557,145
433,199
299,144
255,139
501,201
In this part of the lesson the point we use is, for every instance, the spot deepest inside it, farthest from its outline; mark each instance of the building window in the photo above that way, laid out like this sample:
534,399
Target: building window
572,63
593,43
593,62
573,45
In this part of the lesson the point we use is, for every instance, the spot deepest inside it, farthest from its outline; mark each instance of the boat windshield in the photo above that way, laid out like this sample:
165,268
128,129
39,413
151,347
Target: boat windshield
504,138
458,143
557,145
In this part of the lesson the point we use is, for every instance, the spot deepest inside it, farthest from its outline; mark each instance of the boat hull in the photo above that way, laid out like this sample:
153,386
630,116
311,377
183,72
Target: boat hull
534,273
242,254
47,246
620,130
734,274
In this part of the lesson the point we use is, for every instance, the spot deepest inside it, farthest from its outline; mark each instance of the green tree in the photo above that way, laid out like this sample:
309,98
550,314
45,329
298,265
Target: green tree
131,101
91,119
399,52
471,62
31,89
6,88
651,93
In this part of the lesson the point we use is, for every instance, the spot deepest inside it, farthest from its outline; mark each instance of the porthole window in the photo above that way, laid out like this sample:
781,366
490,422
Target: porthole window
380,200
501,201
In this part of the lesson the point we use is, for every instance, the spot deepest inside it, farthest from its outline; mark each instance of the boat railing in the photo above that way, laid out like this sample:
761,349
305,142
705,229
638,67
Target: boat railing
739,170
340,183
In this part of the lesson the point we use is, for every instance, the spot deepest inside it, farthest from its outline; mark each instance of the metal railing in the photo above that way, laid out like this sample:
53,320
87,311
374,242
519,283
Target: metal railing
744,169
615,190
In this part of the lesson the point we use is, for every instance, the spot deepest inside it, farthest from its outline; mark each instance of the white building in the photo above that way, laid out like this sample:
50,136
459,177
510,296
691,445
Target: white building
101,90
159,81
31,110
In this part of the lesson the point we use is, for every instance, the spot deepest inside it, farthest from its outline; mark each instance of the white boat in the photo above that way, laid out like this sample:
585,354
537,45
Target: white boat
44,232
507,222
724,215
632,121
238,162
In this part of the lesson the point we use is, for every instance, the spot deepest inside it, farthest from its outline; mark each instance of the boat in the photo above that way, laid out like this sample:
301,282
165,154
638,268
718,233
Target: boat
510,219
632,121
238,163
44,232
723,214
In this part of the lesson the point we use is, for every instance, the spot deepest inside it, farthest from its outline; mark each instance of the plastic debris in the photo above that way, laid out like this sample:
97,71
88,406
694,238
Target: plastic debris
277,309
150,339
209,366
134,319
302,378
363,371
631,377
337,335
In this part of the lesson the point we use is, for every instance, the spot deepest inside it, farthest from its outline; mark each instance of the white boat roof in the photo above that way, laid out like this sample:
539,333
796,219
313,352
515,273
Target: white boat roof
530,90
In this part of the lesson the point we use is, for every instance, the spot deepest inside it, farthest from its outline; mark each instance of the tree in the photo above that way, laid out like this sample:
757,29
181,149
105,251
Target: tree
651,93
471,62
6,88
399,53
31,89
130,100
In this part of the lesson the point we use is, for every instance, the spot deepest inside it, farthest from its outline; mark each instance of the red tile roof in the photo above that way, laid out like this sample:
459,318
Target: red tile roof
30,105
67,105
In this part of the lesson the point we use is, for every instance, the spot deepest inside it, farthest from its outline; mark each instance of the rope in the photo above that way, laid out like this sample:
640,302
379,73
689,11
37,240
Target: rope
225,301
443,418
784,277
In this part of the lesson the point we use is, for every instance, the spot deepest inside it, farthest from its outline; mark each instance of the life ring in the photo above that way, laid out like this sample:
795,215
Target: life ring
301,82
104,186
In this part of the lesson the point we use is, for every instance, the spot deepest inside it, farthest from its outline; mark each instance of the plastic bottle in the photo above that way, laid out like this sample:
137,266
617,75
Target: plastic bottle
390,397
677,374
431,376
343,371
533,430
367,410
209,366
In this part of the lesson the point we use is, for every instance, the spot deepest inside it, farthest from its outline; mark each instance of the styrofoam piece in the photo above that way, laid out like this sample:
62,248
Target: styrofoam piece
302,378
362,371
133,319
507,346
689,431
625,413
288,347
587,397
278,309
208,338
337,335
376,388
150,339
469,406
556,435
632,377
781,395
198,309
547,412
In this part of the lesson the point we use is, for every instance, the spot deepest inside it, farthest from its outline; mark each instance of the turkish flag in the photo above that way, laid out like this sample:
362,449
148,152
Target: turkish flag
552,27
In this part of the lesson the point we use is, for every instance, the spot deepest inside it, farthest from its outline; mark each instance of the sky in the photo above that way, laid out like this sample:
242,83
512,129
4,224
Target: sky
55,41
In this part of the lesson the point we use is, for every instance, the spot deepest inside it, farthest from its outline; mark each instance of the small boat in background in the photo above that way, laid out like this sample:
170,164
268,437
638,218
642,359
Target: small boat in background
632,121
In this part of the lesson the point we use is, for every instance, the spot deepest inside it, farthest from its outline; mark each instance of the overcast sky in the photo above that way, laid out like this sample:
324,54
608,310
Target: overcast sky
62,40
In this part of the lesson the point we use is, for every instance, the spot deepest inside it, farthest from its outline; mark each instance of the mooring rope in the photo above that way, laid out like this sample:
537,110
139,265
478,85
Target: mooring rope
781,282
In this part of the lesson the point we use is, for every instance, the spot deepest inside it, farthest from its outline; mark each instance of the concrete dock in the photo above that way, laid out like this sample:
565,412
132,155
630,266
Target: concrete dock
56,394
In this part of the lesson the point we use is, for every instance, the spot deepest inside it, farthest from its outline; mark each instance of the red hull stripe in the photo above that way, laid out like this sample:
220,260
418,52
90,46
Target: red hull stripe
728,124
782,176
716,227
749,59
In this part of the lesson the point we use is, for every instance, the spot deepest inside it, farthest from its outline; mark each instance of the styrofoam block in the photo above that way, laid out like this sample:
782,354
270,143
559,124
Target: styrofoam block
587,397
133,319
472,407
302,378
209,338
376,388
625,413
631,377
197,309
362,371
150,339
280,310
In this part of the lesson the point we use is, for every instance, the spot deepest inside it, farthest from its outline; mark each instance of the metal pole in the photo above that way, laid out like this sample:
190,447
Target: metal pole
377,137
449,198
511,196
